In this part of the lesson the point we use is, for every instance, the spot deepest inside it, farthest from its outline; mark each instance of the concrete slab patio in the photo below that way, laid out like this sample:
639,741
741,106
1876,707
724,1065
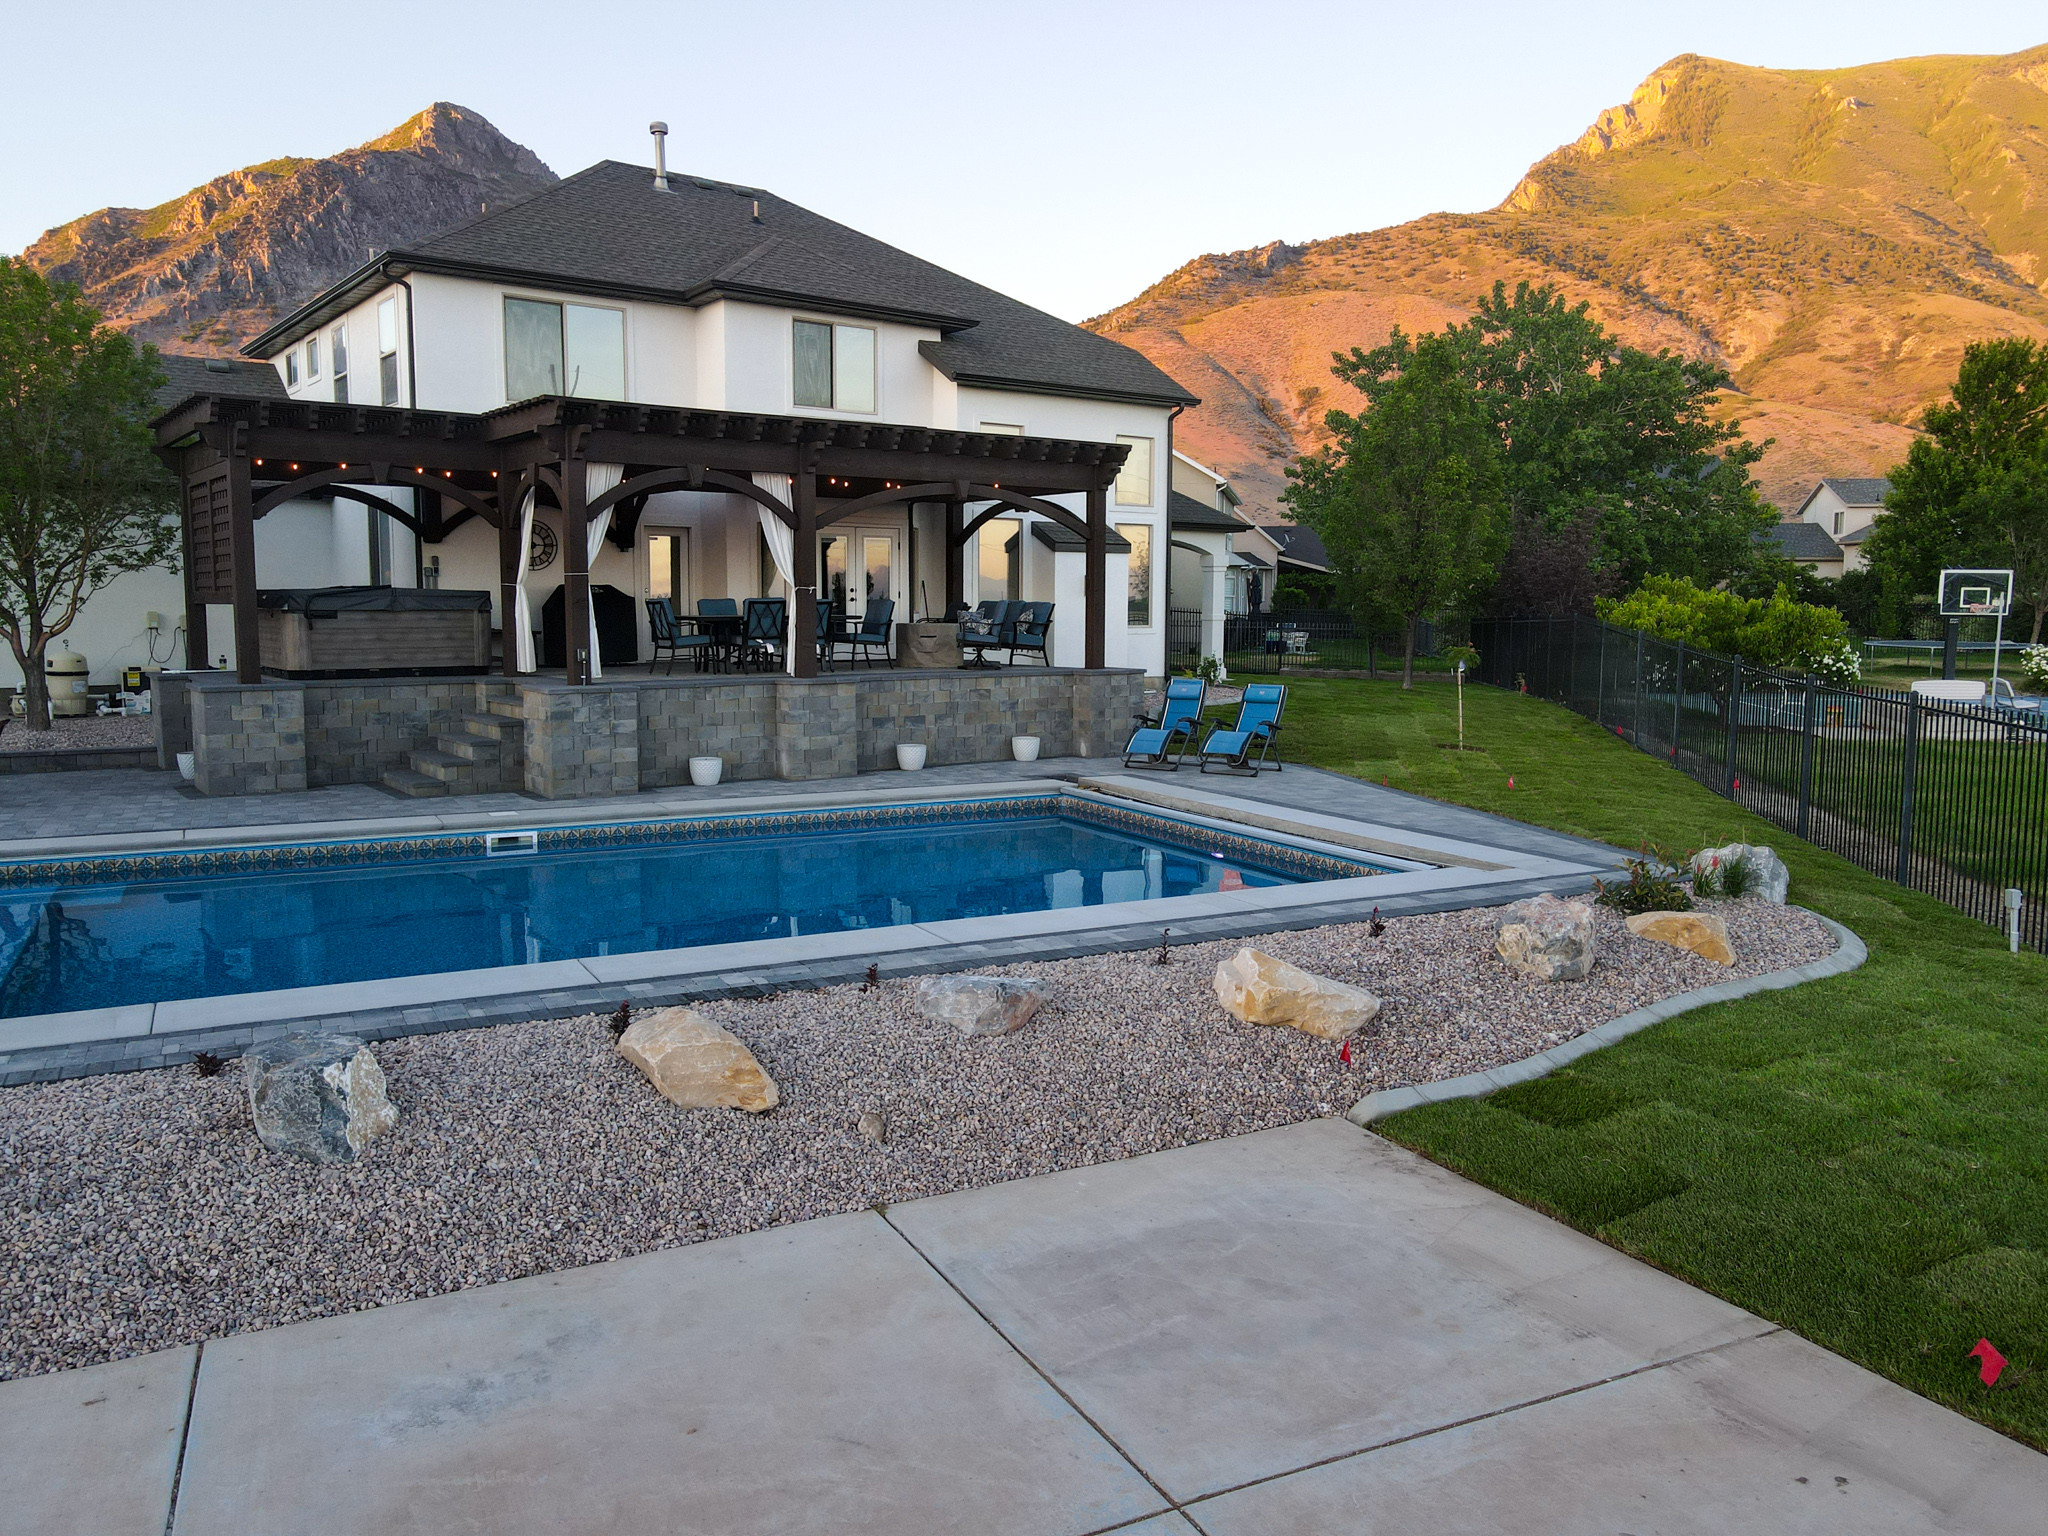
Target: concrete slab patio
1305,1329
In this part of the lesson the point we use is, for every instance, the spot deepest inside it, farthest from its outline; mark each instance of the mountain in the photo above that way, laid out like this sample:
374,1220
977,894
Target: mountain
207,271
1832,238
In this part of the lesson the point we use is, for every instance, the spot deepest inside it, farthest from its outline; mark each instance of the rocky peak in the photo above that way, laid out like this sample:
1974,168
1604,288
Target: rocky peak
206,271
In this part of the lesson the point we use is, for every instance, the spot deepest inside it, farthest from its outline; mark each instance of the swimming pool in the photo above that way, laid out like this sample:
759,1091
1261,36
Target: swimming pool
96,933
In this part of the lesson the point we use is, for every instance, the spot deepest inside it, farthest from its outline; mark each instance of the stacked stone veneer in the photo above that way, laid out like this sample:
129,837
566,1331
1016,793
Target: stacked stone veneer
617,737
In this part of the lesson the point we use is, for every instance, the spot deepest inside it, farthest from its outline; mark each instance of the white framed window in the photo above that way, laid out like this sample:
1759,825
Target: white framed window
291,376
832,366
564,349
1140,537
387,351
999,559
312,357
1134,480
337,348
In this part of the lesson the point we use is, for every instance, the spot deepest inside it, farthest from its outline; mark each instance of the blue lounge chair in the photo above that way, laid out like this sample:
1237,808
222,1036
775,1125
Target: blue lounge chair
986,629
1180,720
1257,731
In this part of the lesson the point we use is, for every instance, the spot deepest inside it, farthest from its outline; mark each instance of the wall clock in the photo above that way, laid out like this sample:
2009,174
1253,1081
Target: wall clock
544,547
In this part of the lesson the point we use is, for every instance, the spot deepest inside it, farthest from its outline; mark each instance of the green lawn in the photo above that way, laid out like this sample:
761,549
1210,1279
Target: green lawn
1863,1159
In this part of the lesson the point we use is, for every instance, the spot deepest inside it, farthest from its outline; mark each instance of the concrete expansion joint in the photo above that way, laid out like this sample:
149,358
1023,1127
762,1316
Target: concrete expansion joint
1849,953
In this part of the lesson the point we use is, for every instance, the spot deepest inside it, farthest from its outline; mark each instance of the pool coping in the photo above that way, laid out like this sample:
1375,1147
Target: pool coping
48,1046
1849,953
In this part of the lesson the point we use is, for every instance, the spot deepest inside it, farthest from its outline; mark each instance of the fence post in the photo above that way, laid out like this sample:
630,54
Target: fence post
1907,774
1599,672
1734,720
1806,755
1639,692
1678,703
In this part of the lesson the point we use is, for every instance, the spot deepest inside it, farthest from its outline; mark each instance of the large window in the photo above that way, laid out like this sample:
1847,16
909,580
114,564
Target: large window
999,548
564,349
833,366
1134,483
291,376
1140,536
338,349
312,357
387,351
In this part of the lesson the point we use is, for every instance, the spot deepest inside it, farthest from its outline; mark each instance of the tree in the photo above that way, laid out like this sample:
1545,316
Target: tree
83,498
1974,490
1590,429
1409,500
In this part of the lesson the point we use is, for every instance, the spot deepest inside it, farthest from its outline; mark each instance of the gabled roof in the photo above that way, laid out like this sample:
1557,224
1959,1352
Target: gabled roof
1183,511
1855,535
185,377
608,232
1299,546
1851,493
1801,541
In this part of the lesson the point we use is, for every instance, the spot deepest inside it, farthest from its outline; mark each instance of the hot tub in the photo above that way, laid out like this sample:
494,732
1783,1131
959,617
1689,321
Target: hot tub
373,632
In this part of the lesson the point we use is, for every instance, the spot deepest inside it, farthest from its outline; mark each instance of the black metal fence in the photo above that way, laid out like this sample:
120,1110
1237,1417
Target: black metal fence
1950,799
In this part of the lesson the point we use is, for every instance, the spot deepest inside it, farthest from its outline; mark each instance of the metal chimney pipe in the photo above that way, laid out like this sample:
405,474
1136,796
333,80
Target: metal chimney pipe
660,132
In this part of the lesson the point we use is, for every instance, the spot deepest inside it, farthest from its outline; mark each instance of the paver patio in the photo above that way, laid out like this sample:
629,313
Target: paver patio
1303,1329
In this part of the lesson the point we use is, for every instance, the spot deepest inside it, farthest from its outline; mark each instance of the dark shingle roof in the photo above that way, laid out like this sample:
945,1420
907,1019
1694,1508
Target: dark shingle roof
1298,545
1855,535
607,231
1058,536
1860,493
1183,511
1802,541
185,377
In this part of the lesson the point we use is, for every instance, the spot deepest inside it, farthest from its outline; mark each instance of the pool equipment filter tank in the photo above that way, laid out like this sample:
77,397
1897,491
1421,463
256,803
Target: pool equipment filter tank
67,676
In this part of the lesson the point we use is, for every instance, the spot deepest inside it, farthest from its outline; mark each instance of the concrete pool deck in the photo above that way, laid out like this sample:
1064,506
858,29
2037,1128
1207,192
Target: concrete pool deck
1484,860
1303,1329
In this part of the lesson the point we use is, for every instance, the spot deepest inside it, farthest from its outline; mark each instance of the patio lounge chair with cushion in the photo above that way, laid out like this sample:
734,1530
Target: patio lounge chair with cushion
873,633
670,641
1031,630
985,630
1175,730
761,633
1257,731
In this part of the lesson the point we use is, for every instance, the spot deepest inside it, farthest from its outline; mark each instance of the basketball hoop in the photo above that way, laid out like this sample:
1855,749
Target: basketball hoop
1978,595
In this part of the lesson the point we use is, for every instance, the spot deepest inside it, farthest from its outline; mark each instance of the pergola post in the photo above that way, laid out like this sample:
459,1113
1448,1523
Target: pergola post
956,557
511,565
195,604
576,570
1095,588
803,590
242,554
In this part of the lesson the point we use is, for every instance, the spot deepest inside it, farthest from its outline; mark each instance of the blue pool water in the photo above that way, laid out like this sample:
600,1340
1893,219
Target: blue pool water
150,940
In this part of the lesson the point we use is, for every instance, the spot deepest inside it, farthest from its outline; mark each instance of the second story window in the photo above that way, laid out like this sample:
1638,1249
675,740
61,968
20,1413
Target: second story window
337,348
1134,480
834,366
564,349
291,377
387,351
312,357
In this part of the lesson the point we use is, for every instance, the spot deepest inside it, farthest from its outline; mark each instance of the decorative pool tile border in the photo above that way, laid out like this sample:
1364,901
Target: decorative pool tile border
117,869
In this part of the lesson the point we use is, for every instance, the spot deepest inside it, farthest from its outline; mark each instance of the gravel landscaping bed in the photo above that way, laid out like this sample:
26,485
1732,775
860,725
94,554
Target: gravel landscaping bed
141,1212
80,734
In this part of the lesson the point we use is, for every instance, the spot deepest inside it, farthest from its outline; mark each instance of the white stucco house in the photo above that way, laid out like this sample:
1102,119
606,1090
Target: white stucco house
1845,510
625,284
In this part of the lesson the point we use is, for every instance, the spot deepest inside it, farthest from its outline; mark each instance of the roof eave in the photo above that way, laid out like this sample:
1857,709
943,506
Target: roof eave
973,380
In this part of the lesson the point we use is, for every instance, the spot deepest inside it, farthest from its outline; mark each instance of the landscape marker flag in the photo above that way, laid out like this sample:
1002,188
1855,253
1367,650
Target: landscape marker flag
1990,1362
1345,1054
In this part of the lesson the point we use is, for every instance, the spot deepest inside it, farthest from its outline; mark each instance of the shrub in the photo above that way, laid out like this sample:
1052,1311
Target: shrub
1774,631
1841,666
1650,887
1731,879
2034,666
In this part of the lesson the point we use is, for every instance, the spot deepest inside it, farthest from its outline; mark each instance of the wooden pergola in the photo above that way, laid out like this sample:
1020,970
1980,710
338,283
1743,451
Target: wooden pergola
239,457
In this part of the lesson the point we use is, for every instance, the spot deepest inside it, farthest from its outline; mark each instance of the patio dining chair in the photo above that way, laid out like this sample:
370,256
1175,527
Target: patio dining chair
670,640
874,630
828,633
1031,630
1257,730
1173,730
761,633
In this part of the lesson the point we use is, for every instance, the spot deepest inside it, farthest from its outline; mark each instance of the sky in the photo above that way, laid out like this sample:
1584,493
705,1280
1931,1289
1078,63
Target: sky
1069,154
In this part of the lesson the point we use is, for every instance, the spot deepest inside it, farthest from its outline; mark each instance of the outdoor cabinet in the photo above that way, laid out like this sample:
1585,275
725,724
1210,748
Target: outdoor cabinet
373,632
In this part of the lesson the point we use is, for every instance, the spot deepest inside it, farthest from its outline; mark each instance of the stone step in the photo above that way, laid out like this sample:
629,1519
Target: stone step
493,726
417,785
471,749
445,766
506,709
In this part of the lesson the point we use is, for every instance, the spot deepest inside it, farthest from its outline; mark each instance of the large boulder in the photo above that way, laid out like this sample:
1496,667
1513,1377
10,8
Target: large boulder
1700,933
1547,938
1260,989
981,1005
1768,876
317,1095
695,1063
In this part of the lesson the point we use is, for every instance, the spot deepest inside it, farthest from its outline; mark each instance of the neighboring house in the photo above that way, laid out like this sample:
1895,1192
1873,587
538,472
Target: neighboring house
1845,510
1808,544
1300,549
1254,563
1205,523
720,298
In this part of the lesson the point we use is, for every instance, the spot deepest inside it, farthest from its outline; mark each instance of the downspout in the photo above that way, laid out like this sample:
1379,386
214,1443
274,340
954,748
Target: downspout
1165,617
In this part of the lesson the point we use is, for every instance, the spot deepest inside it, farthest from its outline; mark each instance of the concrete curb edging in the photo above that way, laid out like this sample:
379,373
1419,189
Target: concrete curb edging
1850,952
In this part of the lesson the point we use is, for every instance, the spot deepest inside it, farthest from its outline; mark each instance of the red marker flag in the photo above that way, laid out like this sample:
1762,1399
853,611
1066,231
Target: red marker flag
1345,1057
1990,1362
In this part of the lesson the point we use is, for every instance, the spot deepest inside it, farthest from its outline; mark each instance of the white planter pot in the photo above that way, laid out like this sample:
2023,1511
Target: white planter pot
1024,748
188,768
705,770
909,755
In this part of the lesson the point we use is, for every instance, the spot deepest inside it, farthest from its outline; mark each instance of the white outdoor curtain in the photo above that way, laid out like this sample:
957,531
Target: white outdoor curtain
520,622
781,549
597,479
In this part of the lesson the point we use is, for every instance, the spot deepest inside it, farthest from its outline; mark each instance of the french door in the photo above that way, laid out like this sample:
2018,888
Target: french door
861,566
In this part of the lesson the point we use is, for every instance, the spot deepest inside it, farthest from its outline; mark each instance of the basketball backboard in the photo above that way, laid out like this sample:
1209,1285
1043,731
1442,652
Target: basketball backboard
1976,594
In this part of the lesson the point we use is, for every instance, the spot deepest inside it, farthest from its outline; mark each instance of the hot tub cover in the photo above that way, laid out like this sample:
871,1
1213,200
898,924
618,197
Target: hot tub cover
325,602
